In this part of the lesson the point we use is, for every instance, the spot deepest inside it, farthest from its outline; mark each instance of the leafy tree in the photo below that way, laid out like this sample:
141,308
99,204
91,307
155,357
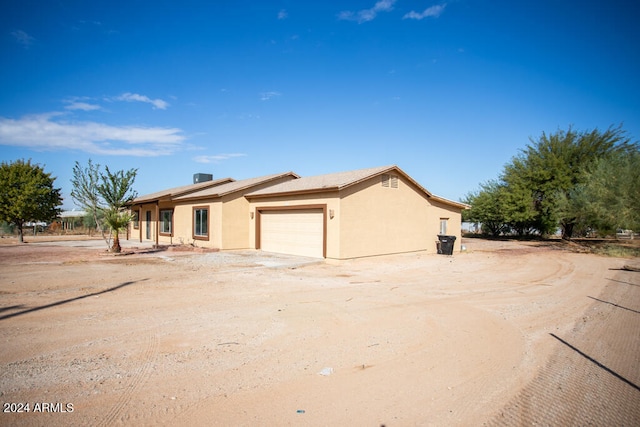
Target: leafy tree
518,203
610,198
578,181
487,208
85,193
552,167
27,194
105,195
116,190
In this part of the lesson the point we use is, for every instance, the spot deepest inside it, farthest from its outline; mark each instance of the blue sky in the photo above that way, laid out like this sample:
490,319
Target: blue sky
449,91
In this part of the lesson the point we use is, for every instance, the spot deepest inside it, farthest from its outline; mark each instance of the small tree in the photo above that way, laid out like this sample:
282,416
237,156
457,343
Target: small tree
106,197
85,183
116,190
27,194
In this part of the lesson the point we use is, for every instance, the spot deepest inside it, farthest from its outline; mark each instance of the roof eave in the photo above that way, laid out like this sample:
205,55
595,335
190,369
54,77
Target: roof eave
450,202
218,195
167,197
293,193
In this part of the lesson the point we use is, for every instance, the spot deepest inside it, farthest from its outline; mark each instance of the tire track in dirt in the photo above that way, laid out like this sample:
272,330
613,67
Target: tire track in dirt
592,377
137,379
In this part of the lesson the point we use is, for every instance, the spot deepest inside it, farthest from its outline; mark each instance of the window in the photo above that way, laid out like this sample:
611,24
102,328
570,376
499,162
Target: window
443,225
136,219
200,222
166,217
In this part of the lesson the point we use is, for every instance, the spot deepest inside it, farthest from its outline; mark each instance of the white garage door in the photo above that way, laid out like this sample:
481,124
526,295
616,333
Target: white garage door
295,232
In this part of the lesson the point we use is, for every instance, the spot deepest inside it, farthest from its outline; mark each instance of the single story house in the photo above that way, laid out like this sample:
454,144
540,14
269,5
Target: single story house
344,215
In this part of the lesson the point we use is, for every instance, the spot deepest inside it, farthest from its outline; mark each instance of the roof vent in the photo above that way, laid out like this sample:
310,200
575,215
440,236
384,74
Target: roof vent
202,177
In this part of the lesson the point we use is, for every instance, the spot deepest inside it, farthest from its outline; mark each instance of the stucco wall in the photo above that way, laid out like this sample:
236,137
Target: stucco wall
235,230
378,220
453,215
141,232
369,219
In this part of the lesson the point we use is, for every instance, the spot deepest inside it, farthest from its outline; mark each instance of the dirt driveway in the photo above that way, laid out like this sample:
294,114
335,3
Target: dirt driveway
505,334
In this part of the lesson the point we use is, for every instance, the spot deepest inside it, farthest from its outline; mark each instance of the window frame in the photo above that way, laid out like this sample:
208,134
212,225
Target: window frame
207,222
162,222
445,222
136,219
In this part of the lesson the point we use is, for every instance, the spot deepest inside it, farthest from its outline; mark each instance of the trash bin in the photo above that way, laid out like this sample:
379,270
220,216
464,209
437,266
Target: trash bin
446,244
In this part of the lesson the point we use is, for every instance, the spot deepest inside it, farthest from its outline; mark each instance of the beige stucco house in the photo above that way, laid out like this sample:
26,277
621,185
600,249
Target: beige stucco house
343,215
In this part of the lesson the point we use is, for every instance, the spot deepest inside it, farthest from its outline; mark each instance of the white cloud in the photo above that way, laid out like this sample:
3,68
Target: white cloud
134,97
283,14
366,15
217,157
265,96
430,12
23,38
48,132
84,106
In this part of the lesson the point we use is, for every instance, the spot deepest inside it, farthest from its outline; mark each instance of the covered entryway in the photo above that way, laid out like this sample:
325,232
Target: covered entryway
293,231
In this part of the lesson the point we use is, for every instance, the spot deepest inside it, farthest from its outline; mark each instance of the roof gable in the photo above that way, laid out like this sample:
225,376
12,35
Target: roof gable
341,180
332,182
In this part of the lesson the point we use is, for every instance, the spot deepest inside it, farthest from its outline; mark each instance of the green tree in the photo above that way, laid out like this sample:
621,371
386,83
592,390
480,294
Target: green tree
105,195
487,207
552,167
27,194
85,193
517,200
117,191
610,197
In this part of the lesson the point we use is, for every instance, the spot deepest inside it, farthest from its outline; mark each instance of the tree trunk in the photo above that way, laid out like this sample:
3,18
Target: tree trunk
20,234
116,248
567,230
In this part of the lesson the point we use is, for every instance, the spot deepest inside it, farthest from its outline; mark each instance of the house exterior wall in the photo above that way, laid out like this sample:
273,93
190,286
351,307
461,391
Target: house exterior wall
138,232
183,225
377,220
235,214
182,233
367,219
438,211
141,231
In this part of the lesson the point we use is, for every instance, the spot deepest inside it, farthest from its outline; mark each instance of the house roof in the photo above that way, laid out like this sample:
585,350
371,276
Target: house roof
328,182
180,191
341,180
232,187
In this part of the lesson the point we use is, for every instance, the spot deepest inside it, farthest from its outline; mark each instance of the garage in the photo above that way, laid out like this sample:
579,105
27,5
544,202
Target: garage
293,231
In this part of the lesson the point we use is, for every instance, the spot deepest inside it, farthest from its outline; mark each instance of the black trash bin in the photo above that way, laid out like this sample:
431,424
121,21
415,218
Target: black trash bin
445,246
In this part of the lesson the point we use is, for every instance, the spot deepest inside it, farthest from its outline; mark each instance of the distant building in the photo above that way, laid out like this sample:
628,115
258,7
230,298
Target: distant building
68,220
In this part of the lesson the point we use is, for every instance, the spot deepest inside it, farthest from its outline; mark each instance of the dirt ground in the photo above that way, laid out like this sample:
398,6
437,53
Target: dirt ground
506,333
